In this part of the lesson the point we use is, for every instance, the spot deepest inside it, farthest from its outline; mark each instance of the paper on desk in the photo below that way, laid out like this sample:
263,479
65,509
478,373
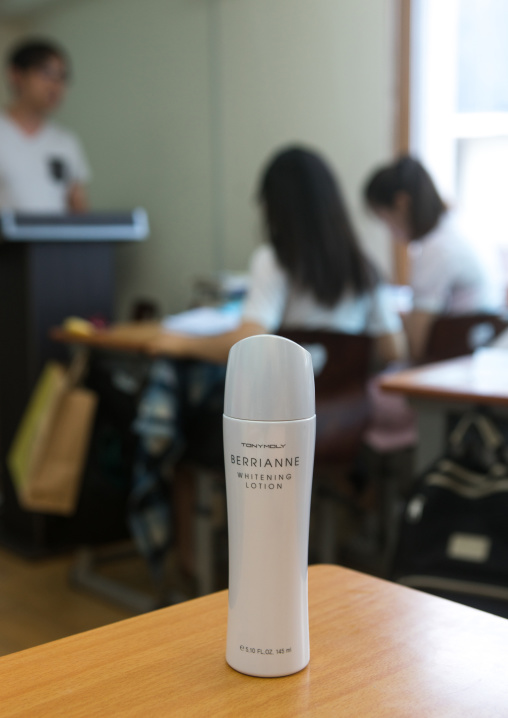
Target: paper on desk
501,341
205,321
490,368
401,297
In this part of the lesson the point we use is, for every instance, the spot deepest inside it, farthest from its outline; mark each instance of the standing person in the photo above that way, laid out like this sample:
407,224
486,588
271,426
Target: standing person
311,273
42,166
449,274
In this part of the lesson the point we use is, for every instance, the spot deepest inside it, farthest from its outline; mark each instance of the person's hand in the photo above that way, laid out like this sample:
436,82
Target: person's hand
167,344
77,201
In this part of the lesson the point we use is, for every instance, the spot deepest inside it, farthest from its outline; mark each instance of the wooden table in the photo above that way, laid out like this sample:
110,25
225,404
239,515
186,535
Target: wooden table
453,385
377,649
480,379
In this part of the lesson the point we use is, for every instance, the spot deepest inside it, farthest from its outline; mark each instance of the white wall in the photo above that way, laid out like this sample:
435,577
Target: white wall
11,30
140,104
179,104
317,72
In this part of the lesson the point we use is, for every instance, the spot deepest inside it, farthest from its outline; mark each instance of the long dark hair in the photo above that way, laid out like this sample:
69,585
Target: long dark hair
33,53
309,227
409,176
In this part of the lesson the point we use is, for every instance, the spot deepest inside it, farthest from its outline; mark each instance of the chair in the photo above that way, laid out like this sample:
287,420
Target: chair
342,364
454,336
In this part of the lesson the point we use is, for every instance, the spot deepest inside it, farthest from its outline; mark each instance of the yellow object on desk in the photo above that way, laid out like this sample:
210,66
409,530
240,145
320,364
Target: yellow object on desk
377,649
78,326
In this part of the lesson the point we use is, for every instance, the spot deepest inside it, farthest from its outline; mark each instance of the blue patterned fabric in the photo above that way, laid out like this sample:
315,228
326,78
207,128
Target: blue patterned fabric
176,397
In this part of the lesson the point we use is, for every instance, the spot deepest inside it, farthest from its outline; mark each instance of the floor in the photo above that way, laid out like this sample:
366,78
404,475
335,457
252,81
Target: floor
38,604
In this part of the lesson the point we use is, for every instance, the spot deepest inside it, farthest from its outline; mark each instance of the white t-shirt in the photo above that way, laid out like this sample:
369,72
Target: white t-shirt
450,275
36,171
273,302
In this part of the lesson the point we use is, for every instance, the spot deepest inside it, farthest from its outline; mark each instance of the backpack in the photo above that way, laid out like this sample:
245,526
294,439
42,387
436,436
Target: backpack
453,535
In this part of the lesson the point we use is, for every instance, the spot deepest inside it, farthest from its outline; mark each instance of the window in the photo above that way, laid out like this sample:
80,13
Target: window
459,108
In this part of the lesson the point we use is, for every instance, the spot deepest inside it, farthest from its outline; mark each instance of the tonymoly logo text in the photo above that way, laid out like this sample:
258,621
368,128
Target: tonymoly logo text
264,446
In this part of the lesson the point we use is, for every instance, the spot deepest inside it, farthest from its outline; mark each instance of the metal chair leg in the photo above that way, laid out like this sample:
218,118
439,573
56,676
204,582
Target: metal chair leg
84,575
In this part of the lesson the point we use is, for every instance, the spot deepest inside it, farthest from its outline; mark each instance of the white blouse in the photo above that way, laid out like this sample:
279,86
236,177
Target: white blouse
273,302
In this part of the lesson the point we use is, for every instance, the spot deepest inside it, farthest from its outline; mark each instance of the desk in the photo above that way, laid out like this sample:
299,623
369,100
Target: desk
456,384
377,649
131,337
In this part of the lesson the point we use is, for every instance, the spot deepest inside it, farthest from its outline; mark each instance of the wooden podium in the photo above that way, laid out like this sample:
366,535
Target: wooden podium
51,267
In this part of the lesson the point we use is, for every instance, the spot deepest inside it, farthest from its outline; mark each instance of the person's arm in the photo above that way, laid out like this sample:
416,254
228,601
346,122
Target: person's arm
417,325
78,177
77,200
391,348
385,325
209,348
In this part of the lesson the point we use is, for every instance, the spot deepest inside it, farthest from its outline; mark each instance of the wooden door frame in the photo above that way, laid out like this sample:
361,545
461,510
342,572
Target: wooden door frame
402,115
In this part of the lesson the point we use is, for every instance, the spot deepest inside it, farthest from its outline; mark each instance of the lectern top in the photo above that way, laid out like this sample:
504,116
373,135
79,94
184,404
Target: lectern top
90,226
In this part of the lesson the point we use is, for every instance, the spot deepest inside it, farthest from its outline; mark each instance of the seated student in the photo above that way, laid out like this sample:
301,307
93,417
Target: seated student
449,275
312,273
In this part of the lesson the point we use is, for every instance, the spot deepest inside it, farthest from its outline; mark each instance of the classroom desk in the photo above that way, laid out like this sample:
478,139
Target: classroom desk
131,338
453,385
377,649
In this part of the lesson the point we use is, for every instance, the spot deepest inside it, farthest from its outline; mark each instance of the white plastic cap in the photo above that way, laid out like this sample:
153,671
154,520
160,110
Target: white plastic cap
269,378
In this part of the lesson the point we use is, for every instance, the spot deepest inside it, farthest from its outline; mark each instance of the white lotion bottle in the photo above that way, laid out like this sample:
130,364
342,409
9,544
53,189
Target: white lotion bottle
269,440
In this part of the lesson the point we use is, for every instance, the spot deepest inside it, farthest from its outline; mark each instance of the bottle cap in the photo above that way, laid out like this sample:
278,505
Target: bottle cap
269,378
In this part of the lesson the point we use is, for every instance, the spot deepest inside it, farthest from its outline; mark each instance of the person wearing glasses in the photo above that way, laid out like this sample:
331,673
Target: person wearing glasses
42,165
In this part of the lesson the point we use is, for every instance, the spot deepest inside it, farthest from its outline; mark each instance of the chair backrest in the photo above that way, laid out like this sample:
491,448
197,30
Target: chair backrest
342,364
454,336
